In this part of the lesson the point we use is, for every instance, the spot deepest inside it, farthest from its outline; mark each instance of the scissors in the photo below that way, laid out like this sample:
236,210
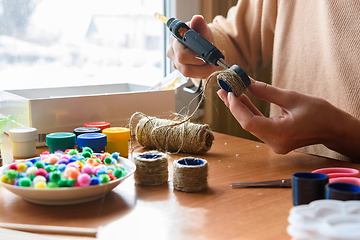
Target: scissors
335,174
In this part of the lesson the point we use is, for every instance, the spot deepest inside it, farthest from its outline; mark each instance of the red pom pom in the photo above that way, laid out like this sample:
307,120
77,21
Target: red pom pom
45,153
112,177
13,166
41,171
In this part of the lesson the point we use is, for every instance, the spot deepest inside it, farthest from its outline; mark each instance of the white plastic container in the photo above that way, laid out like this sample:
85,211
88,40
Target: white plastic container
23,141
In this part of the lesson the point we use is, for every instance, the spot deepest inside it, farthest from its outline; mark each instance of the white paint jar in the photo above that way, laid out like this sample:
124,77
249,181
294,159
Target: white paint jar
23,141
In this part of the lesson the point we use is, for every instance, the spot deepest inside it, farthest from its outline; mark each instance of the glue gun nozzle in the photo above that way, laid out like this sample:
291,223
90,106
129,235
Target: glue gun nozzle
161,17
222,63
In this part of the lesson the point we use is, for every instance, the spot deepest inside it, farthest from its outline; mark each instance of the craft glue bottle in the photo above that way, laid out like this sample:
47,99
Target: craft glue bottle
23,141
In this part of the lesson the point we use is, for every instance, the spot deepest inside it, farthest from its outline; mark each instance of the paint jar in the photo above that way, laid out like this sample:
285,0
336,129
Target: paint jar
60,141
23,141
101,125
95,141
117,140
342,191
82,130
307,187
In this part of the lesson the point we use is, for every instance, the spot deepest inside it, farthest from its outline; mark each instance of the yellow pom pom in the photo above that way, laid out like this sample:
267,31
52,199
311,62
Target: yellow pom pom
40,184
3,179
80,163
22,167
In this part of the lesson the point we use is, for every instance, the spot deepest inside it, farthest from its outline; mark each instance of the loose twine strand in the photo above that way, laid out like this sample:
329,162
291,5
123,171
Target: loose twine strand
182,135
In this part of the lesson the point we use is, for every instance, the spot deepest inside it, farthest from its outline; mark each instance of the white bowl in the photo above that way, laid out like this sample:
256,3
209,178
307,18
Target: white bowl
69,195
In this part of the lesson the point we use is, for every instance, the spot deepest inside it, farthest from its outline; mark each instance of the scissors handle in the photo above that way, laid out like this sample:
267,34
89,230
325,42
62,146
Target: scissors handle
275,183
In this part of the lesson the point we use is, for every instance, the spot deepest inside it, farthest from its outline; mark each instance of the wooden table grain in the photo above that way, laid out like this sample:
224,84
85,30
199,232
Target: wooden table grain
138,212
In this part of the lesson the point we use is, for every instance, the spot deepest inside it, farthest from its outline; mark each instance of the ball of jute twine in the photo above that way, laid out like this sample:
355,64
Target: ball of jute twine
151,168
182,135
190,174
167,135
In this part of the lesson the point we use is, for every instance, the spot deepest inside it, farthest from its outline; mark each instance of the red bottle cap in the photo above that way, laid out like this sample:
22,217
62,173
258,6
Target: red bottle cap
101,125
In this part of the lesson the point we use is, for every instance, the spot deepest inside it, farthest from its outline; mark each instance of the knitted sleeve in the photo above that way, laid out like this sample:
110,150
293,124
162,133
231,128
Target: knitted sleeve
247,33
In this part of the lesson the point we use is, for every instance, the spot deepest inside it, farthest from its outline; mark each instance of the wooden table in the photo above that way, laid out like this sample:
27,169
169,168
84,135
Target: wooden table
161,212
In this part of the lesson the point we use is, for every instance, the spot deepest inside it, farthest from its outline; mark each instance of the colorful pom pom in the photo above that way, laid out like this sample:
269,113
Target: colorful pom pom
25,182
64,170
11,174
84,180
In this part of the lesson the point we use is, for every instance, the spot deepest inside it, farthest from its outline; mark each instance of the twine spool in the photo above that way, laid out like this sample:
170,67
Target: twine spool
184,136
190,174
151,168
233,80
174,136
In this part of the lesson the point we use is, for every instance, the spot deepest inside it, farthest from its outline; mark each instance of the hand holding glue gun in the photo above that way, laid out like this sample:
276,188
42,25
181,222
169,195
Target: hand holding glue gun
304,119
205,52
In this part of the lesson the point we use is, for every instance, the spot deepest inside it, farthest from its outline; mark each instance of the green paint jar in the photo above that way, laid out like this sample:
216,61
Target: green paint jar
60,141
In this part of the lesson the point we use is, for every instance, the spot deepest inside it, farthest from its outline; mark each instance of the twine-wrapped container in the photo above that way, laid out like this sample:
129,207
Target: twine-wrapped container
168,135
151,168
190,174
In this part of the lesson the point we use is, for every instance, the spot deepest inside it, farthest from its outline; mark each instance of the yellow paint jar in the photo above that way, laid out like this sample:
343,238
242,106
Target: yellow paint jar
117,140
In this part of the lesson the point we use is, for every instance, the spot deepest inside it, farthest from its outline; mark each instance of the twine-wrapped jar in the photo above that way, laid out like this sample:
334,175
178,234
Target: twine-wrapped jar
190,174
151,168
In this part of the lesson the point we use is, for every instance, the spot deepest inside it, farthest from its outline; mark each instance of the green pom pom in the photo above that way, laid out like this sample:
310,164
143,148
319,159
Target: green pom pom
107,160
118,173
62,182
52,185
49,168
73,152
11,174
87,149
86,154
39,164
104,178
31,177
71,182
25,182
55,176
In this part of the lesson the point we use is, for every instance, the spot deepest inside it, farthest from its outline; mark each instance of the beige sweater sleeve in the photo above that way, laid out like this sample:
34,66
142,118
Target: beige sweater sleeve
313,46
247,33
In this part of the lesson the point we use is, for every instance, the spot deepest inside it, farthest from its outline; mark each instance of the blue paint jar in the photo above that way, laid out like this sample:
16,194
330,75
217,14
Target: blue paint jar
82,130
95,141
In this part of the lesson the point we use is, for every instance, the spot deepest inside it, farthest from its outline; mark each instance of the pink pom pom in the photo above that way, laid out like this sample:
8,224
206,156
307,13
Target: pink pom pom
41,172
83,180
87,170
73,165
67,157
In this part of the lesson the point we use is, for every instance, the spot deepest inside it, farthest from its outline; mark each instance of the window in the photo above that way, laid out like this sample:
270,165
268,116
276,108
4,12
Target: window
53,43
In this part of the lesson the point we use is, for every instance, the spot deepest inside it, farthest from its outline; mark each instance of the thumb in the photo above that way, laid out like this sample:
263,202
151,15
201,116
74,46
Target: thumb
199,25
